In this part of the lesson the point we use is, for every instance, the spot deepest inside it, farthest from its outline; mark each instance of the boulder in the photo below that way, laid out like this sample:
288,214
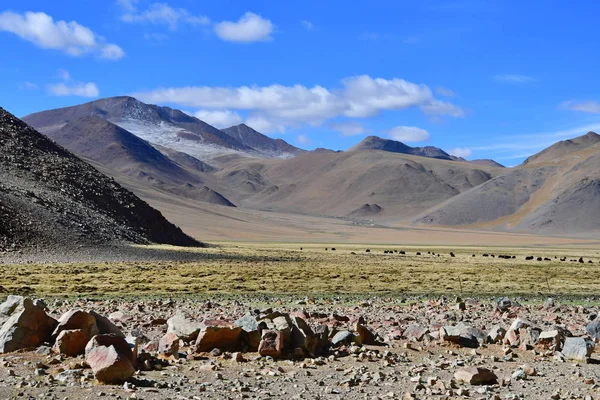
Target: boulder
593,329
303,337
550,340
271,344
578,349
460,334
476,376
184,327
105,325
250,331
168,346
108,340
415,332
342,337
519,323
23,324
365,334
322,334
109,365
218,334
284,325
77,319
133,343
496,334
528,337
71,342
503,304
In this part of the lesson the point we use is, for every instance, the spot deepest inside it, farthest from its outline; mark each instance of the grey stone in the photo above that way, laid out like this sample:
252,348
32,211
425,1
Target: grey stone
593,328
23,324
578,349
184,327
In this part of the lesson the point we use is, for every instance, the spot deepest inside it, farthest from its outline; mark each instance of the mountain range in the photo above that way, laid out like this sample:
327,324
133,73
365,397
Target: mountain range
168,151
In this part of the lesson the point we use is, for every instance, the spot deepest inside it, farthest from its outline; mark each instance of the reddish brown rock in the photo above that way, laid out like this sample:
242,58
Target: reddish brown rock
271,344
119,343
415,332
110,358
109,366
105,325
77,319
168,346
476,376
71,342
365,334
218,334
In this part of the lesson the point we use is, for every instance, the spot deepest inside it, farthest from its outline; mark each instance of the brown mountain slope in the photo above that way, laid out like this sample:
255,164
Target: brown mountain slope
563,148
267,146
488,162
336,184
49,197
393,146
157,125
556,197
106,143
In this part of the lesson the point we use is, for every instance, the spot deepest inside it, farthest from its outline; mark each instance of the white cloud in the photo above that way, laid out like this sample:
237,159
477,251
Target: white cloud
408,134
443,91
74,89
463,152
64,75
27,85
302,139
128,5
112,52
307,25
156,38
250,28
276,107
219,118
349,128
436,107
511,78
69,37
592,107
163,14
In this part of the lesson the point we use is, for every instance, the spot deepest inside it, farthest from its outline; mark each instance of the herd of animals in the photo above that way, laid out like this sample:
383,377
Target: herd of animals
503,256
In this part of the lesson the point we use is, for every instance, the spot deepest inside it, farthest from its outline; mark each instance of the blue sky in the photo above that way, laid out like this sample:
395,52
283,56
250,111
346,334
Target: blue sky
480,79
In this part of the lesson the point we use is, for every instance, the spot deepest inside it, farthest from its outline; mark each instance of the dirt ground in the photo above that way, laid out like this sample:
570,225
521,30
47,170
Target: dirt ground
390,290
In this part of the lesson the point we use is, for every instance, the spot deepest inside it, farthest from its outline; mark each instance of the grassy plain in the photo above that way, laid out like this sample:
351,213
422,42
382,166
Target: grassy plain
235,268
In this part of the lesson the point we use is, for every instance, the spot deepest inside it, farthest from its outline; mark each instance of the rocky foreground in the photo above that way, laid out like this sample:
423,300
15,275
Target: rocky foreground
378,349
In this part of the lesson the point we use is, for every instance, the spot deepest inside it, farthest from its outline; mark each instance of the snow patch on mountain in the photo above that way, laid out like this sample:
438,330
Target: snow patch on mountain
167,135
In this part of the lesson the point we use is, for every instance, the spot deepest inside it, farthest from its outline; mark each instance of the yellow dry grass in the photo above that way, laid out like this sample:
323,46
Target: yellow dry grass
250,268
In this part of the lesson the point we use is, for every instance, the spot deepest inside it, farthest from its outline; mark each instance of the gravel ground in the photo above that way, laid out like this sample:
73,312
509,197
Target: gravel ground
401,367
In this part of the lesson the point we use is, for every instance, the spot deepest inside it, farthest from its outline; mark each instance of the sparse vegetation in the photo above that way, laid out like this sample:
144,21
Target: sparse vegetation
284,269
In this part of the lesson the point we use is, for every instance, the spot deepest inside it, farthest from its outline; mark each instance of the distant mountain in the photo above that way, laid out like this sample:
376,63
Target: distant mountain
395,186
564,147
50,198
556,191
162,126
276,148
488,162
112,146
393,146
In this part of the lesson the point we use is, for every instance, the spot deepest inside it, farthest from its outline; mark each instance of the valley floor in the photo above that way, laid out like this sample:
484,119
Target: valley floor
305,269
141,287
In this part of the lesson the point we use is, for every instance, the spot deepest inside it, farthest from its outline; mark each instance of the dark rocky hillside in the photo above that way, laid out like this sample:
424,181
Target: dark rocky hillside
51,198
